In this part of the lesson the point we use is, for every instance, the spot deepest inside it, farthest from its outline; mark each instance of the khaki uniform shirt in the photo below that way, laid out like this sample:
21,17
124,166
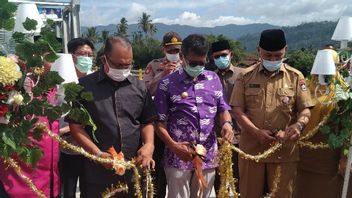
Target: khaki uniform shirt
153,73
228,79
271,102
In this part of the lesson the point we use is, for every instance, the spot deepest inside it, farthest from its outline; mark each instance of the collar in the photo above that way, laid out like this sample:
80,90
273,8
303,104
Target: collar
102,76
230,69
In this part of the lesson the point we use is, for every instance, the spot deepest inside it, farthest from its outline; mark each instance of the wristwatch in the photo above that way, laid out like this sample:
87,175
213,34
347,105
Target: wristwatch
229,122
300,125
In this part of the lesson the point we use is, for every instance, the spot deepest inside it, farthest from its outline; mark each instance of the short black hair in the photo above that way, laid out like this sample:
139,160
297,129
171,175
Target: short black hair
112,39
76,43
196,44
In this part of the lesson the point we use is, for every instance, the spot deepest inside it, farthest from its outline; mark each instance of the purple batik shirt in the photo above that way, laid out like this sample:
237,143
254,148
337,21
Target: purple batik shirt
189,109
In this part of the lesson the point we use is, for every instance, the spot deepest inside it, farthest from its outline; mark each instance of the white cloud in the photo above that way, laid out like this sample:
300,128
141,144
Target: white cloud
287,12
134,11
190,18
210,13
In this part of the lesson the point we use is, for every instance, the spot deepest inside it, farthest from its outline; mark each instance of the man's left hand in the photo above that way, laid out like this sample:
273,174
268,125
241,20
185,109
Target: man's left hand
145,156
227,132
293,132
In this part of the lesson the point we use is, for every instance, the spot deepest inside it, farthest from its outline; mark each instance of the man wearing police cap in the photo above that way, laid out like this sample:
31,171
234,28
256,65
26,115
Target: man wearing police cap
271,103
155,71
159,68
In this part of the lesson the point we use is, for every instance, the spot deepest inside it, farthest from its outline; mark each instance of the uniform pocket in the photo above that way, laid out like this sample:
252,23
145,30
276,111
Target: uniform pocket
253,97
285,99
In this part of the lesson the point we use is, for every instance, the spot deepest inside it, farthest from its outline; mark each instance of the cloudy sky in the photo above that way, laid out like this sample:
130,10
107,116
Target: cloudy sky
210,13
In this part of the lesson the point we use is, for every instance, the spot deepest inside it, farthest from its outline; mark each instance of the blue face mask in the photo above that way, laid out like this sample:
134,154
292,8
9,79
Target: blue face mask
222,62
272,65
194,71
84,64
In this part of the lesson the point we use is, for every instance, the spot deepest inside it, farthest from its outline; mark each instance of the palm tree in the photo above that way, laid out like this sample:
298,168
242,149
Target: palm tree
92,34
145,24
104,35
122,27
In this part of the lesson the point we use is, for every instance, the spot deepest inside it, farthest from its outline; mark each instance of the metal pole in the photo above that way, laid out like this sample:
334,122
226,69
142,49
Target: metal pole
65,34
343,44
75,18
347,172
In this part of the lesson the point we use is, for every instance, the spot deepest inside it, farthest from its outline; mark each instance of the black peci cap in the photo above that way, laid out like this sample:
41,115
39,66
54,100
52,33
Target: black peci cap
272,40
219,46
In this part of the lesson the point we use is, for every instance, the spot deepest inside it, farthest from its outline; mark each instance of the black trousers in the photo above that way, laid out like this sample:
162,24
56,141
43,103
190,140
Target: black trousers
159,174
71,169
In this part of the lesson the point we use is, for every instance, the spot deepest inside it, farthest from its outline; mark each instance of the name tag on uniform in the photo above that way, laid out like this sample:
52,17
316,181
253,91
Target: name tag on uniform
254,85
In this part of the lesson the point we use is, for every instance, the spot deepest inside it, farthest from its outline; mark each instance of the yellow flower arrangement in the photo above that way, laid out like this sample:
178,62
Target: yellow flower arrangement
9,71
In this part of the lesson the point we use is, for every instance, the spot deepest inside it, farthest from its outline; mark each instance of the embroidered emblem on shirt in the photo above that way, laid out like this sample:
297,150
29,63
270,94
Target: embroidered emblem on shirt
175,98
199,99
164,84
199,86
302,85
285,100
209,77
204,121
162,116
194,109
182,121
218,94
212,109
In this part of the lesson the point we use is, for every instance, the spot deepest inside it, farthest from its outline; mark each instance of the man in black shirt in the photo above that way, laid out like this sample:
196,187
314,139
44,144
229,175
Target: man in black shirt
123,112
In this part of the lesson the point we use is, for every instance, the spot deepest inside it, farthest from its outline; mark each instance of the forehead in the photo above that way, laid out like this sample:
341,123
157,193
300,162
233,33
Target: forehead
273,53
226,51
195,57
120,51
84,48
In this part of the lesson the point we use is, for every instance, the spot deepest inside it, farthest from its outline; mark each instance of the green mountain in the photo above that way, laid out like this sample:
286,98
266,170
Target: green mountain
307,35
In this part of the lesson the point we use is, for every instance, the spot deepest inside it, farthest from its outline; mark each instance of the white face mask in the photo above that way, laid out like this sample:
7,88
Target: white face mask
272,65
117,74
173,57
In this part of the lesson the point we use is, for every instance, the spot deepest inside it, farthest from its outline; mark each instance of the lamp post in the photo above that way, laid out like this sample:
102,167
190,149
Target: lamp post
24,11
323,66
343,31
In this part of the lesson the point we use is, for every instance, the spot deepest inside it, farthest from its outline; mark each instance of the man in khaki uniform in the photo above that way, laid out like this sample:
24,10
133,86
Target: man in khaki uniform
159,68
271,103
222,55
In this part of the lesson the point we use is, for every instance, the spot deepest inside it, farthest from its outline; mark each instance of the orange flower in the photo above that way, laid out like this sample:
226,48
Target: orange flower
119,169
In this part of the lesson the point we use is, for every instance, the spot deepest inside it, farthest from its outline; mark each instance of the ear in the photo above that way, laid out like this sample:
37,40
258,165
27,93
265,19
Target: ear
286,49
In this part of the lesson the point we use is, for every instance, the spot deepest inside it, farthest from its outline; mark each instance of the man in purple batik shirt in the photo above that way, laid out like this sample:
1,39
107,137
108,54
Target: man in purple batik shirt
187,102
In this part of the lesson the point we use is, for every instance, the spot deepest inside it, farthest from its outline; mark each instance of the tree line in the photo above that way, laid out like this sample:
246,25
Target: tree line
147,48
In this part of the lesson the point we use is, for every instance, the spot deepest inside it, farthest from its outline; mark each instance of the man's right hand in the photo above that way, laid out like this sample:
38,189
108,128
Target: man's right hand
169,67
264,136
106,155
182,150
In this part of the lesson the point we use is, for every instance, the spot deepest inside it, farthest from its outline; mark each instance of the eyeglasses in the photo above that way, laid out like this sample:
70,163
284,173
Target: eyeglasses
196,63
84,54
222,55
118,66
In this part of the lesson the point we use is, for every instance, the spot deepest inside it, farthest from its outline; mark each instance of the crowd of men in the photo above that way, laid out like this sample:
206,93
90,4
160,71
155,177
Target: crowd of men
170,120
